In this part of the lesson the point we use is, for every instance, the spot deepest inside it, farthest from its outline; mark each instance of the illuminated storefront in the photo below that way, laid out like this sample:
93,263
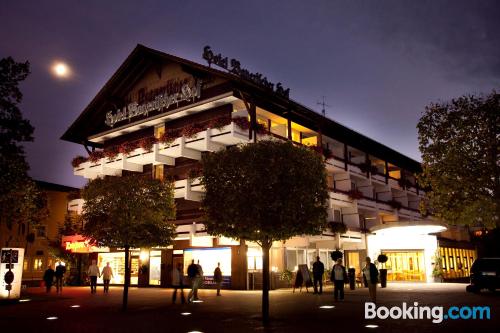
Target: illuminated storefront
411,250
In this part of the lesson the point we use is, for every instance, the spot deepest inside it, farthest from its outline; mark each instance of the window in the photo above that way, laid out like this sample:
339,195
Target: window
38,264
25,264
41,231
337,216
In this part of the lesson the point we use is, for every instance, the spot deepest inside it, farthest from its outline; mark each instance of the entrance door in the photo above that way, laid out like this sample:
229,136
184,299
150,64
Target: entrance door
134,270
405,265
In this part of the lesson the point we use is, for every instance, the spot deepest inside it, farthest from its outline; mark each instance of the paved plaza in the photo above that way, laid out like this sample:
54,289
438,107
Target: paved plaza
150,310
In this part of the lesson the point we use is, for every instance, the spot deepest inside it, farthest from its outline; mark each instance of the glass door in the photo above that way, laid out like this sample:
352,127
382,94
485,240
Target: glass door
134,270
405,265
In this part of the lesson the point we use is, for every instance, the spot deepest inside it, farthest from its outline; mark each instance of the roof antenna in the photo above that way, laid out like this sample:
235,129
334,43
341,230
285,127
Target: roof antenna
324,106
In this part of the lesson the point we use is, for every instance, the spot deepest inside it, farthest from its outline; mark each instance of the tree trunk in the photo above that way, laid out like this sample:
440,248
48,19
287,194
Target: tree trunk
127,278
266,245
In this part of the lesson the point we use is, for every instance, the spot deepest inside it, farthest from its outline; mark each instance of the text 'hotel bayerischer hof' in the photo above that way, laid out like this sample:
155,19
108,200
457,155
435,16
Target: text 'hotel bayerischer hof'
196,109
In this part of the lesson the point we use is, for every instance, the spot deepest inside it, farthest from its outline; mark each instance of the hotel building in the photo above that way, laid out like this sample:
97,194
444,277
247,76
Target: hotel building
158,114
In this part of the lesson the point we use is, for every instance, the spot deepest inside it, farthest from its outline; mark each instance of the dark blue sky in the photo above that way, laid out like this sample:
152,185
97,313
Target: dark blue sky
377,62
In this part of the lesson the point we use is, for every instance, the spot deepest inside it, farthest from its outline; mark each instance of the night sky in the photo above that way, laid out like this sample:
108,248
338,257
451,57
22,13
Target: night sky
377,62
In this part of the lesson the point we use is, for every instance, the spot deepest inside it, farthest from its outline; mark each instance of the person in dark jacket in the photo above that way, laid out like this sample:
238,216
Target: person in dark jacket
48,278
218,278
59,274
318,270
193,274
339,276
370,273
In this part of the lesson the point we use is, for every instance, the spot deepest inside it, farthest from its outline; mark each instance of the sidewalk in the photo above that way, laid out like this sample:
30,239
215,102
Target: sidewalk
150,310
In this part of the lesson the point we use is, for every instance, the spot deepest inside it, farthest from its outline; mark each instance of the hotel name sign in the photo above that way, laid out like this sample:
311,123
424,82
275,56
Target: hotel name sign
234,67
187,91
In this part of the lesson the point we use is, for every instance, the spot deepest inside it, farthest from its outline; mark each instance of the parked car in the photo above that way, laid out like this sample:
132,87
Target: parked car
484,274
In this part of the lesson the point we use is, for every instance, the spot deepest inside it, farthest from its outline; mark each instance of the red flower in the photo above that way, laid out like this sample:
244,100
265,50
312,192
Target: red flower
111,152
242,122
219,122
96,156
78,160
127,147
169,136
190,131
147,143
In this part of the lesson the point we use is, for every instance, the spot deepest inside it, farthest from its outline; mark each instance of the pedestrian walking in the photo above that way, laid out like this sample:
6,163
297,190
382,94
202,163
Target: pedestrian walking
93,273
178,283
48,278
199,280
193,273
218,278
107,275
318,270
339,277
59,274
370,272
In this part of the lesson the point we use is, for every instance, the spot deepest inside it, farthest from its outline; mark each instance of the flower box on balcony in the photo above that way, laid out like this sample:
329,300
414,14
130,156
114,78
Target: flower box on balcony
219,122
147,143
190,131
169,136
127,147
111,152
96,156
78,160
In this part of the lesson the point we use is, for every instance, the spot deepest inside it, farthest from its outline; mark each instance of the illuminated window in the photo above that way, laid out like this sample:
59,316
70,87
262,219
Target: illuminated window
159,131
158,172
254,259
25,264
38,264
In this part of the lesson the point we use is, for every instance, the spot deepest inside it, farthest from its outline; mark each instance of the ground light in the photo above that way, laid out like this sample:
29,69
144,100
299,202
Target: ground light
371,326
185,313
52,318
195,332
75,306
327,307
198,301
24,300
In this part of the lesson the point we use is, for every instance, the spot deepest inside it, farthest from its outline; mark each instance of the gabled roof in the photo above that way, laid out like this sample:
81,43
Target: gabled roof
142,58
54,187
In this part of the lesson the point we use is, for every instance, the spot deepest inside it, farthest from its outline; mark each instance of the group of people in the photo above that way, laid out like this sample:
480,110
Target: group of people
195,280
58,275
92,272
339,278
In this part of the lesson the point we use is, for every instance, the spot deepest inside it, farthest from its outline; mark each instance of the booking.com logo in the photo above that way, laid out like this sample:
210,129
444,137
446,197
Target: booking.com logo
436,313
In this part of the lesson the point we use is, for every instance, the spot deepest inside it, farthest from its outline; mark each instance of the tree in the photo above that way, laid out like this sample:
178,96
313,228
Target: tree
459,141
19,196
129,211
264,192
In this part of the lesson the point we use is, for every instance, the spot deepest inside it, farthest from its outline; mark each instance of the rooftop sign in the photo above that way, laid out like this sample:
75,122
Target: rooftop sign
188,91
233,66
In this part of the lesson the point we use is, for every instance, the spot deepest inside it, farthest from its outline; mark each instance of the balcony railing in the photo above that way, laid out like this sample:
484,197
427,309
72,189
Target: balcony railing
210,139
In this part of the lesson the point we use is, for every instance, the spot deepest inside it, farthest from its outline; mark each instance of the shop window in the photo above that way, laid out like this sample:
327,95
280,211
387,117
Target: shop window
25,264
155,268
209,257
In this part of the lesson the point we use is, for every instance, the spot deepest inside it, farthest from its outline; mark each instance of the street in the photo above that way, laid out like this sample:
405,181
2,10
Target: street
150,310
